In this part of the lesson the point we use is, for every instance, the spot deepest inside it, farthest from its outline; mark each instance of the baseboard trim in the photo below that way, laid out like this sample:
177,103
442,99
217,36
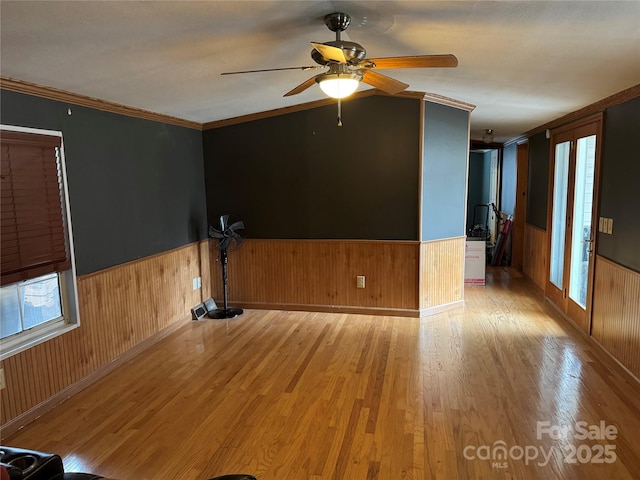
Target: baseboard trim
428,312
605,356
539,290
22,420
392,312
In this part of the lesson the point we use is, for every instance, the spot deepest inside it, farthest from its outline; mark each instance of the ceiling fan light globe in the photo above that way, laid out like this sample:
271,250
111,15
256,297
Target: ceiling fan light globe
339,85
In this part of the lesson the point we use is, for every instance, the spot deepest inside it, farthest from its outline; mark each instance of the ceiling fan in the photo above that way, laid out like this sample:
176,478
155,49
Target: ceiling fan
347,65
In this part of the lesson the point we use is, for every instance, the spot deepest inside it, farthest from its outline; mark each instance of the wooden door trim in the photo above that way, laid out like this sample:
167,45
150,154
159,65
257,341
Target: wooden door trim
596,117
520,207
572,132
551,290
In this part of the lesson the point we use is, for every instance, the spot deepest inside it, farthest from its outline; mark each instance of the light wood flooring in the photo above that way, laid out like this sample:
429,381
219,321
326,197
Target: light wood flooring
296,395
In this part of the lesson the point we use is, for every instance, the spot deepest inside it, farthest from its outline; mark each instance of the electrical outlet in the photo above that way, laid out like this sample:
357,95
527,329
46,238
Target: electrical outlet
360,281
2,384
197,283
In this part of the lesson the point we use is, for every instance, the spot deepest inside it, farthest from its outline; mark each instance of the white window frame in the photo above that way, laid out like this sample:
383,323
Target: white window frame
68,281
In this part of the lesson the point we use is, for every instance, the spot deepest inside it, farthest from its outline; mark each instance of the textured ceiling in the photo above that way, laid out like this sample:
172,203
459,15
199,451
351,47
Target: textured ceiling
521,63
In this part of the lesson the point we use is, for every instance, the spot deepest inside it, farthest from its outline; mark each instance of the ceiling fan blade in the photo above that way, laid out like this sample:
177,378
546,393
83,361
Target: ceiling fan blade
416,61
315,67
382,82
330,52
303,86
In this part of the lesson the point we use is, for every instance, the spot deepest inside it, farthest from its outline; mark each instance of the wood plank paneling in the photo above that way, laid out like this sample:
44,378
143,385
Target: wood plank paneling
616,312
120,307
316,273
441,272
536,257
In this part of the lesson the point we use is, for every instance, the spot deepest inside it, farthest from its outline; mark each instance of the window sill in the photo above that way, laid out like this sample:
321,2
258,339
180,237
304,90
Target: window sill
10,348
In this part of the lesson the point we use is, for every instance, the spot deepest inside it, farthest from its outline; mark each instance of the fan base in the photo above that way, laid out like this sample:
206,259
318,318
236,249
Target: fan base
224,313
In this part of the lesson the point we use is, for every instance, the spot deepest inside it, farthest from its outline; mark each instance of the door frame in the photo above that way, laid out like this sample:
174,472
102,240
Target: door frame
520,208
559,297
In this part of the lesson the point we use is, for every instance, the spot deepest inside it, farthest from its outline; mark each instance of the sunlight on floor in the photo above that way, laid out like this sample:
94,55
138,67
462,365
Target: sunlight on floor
75,463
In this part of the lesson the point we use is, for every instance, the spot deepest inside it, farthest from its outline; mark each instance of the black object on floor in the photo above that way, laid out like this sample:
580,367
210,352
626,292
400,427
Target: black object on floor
226,235
23,464
30,465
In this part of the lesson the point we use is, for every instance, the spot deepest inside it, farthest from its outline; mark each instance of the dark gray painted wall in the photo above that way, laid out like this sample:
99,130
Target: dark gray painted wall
509,177
479,187
538,184
444,171
135,186
300,176
620,184
619,190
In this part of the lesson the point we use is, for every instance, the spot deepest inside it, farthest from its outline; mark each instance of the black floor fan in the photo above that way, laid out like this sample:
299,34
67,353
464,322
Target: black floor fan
226,235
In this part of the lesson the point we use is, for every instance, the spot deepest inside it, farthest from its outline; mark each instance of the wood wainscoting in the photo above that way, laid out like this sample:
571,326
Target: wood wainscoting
536,257
320,275
121,308
616,312
441,274
402,278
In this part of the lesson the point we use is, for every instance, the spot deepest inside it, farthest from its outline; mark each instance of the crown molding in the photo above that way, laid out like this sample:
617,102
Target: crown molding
599,106
270,113
449,102
20,86
519,140
429,97
304,106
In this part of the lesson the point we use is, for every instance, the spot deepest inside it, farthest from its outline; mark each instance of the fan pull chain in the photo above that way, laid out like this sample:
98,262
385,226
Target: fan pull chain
339,112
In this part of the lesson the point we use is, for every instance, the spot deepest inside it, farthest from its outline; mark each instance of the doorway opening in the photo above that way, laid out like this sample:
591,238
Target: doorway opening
483,197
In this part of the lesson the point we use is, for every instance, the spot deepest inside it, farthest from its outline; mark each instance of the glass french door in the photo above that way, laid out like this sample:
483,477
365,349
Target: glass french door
572,218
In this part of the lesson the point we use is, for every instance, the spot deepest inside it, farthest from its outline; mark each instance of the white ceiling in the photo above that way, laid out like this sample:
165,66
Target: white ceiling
521,63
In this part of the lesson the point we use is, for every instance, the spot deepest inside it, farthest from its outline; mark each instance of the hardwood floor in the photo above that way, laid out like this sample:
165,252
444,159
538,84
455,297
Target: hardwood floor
295,395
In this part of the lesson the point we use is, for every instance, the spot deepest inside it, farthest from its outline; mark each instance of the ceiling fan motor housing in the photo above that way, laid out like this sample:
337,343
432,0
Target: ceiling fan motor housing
353,52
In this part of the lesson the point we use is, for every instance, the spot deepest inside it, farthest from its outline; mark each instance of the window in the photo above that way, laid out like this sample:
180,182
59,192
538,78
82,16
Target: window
38,293
30,304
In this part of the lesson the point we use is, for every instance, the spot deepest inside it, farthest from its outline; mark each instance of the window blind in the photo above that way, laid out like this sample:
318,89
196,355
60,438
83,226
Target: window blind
32,236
